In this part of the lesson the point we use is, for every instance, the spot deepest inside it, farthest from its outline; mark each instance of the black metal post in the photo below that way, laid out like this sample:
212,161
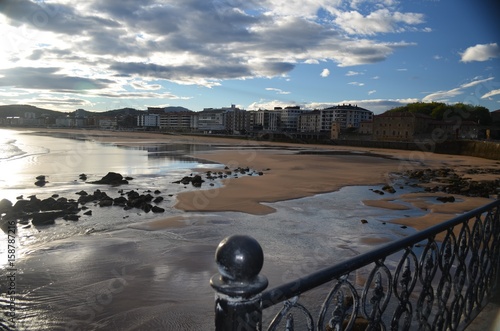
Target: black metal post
238,286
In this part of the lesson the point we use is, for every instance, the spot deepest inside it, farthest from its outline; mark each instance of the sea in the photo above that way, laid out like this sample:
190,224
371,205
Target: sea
107,271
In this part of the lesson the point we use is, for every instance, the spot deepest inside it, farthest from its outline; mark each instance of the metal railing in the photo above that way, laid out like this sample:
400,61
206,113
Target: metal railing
436,279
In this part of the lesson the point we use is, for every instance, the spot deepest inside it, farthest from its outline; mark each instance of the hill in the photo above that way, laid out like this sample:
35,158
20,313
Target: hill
20,110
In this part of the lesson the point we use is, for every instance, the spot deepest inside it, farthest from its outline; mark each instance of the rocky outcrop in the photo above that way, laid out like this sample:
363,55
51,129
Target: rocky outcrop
448,181
112,178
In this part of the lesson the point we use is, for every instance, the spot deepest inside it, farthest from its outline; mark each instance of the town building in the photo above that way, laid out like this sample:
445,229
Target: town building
210,120
176,121
148,120
310,121
265,120
400,126
348,116
237,120
289,117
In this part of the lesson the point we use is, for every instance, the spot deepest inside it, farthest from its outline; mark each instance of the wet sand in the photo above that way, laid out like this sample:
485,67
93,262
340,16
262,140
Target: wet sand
288,175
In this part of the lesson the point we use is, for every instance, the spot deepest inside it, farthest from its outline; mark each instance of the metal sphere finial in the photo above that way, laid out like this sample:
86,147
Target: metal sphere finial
239,258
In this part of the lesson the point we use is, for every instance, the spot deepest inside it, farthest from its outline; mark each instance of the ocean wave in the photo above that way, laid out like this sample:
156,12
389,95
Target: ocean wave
9,150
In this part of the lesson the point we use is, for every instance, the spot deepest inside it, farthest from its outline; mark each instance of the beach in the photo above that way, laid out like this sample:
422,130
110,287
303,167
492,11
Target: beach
133,270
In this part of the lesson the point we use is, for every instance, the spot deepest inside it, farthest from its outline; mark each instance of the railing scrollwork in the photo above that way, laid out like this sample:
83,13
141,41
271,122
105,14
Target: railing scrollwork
436,279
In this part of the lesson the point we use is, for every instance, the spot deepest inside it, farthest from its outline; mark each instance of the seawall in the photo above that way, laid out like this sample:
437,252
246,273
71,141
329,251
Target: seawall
484,149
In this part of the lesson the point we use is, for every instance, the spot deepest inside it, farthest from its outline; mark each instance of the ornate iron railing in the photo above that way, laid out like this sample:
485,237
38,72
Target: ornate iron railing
436,279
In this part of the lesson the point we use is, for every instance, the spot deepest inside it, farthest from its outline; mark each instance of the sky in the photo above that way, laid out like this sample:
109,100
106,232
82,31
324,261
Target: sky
378,54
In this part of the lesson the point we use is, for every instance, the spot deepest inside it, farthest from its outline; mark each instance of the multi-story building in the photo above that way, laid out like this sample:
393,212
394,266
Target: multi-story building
400,126
176,121
348,116
237,120
290,117
148,120
366,127
266,120
310,121
209,120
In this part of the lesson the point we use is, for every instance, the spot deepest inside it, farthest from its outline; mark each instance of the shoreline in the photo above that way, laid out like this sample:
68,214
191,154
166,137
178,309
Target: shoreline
287,174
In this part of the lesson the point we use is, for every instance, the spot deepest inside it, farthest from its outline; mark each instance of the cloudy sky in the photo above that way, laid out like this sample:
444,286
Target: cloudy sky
379,54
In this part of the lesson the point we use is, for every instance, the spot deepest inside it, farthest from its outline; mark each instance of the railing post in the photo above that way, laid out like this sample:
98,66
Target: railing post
238,286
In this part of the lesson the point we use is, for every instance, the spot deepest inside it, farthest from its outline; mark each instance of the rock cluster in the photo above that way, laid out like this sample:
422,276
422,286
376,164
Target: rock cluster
46,211
41,212
448,181
197,180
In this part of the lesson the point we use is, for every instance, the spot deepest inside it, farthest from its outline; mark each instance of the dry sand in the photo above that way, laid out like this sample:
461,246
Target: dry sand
287,175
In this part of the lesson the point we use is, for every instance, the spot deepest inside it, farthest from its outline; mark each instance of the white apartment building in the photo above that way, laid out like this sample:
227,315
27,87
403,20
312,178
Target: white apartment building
348,116
148,120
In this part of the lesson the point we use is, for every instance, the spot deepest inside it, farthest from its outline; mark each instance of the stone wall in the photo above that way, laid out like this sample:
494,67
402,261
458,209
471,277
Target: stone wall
484,149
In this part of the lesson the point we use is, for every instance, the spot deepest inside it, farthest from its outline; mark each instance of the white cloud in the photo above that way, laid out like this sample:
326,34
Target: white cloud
356,83
446,96
476,81
277,90
371,92
325,73
379,21
491,93
353,73
481,52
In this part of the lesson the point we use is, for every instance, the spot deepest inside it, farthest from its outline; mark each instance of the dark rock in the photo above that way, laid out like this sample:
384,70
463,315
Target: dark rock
157,192
403,226
364,221
83,177
48,204
388,189
146,207
450,198
196,181
105,202
133,194
88,213
5,206
260,173
156,209
129,178
71,217
19,197
185,180
111,178
158,199
45,218
41,178
40,183
55,196
120,201
26,206
82,192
